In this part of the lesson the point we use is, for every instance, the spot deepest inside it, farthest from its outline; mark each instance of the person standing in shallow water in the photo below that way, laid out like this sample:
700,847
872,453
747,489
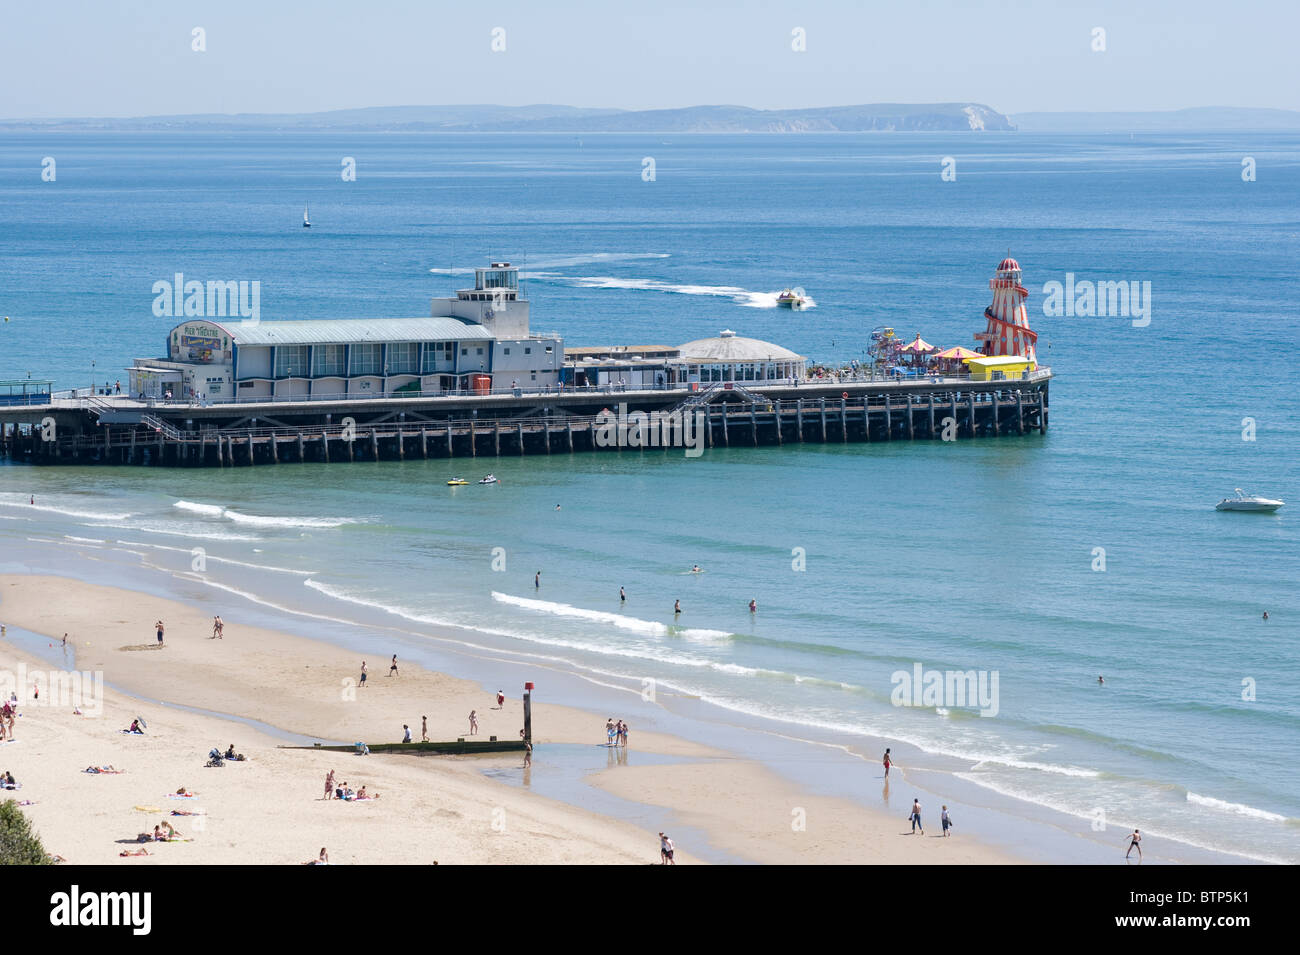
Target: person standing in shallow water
363,672
159,627
916,816
1135,842
888,762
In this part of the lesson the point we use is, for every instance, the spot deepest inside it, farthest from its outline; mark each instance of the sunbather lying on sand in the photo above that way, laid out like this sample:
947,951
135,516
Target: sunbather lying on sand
134,852
171,835
96,770
184,793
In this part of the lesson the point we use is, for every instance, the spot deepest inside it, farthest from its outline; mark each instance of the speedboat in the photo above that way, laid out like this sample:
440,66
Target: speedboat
1248,502
792,298
490,479
457,482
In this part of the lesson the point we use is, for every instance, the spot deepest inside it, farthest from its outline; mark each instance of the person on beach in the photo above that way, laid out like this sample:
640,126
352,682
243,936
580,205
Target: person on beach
610,731
916,817
216,628
888,763
159,627
65,641
1135,842
677,608
537,580
528,754
329,785
135,728
392,670
322,859
666,850
424,729
622,734
622,595
363,672
473,722
501,700
945,821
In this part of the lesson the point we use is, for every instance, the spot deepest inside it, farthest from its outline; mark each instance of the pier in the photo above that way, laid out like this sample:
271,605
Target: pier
124,431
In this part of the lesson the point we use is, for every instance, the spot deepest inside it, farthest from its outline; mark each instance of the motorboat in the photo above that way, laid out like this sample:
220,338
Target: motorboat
457,482
794,298
1248,502
490,479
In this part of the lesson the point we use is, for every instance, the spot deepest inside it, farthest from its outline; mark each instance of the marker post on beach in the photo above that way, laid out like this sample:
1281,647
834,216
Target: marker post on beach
528,712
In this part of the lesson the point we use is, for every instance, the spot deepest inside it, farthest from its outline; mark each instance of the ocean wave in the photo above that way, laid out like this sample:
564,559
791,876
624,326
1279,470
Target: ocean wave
1234,807
635,624
222,560
84,540
256,520
174,530
66,511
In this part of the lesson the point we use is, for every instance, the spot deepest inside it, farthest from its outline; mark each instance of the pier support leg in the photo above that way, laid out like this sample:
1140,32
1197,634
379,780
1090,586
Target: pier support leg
844,419
972,414
799,418
302,448
424,443
722,413
449,453
930,406
496,437
374,444
997,414
570,430
521,437
889,420
753,424
275,450
822,404
911,432
954,413
1020,411
776,416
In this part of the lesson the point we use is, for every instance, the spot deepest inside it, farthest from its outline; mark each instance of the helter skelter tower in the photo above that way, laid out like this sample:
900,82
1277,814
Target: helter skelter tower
1008,331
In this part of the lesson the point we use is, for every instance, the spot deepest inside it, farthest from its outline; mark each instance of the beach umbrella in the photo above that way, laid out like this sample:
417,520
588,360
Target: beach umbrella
958,352
143,724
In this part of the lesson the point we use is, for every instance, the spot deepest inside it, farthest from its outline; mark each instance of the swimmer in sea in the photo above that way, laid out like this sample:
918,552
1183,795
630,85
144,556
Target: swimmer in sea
677,607
695,569
753,606
622,595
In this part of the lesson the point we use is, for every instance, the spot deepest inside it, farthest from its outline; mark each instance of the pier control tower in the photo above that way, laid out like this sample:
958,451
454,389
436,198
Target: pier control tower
494,302
1008,331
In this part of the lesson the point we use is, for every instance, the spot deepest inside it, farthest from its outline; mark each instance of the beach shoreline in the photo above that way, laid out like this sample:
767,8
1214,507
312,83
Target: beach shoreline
308,687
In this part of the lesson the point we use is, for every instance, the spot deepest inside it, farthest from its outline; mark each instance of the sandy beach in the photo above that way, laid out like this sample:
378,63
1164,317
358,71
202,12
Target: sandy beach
269,809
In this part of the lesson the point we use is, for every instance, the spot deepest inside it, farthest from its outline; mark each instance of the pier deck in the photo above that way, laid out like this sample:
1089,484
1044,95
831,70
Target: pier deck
126,431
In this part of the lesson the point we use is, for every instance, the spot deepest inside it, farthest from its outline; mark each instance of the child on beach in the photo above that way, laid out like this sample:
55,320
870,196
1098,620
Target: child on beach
888,762
665,850
943,818
1135,842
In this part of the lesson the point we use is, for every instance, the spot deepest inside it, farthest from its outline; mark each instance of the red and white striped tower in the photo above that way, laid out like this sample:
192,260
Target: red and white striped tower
1008,332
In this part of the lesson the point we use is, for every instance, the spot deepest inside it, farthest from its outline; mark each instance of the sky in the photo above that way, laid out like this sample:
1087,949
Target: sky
104,58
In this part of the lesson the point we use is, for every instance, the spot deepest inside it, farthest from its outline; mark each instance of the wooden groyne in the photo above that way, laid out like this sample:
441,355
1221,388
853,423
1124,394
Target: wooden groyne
238,435
460,747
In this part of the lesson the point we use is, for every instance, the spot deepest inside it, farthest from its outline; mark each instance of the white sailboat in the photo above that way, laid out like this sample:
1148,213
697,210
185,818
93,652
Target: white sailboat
306,216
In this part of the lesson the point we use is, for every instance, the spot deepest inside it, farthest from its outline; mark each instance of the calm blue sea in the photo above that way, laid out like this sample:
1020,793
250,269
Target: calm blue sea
974,555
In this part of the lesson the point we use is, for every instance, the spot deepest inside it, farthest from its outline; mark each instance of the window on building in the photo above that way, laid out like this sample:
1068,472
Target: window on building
291,361
507,351
464,351
403,358
367,359
528,351
480,351
328,360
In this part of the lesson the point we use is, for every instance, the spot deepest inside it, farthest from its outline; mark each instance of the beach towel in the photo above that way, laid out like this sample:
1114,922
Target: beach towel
182,795
101,771
148,808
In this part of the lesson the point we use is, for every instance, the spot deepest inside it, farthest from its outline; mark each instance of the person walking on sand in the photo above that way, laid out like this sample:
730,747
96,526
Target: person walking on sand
611,733
158,625
888,762
424,729
622,734
501,700
329,785
406,733
916,817
363,672
945,821
1135,842
666,850
392,670
473,722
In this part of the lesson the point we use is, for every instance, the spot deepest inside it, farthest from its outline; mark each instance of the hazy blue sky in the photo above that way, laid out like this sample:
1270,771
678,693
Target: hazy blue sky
104,58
